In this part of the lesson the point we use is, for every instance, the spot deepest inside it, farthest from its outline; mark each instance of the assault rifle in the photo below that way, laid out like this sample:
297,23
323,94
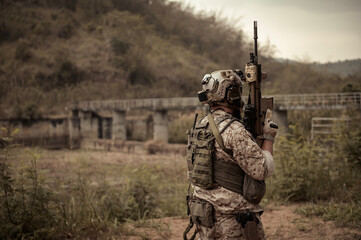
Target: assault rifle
256,107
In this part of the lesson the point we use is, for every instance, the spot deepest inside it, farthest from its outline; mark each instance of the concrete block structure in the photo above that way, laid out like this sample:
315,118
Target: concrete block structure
160,127
106,119
89,120
119,130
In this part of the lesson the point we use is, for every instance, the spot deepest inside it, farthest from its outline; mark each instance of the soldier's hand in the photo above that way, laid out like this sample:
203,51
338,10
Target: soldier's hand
270,128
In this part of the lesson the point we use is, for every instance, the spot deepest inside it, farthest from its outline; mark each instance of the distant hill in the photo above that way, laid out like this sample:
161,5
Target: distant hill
55,52
342,68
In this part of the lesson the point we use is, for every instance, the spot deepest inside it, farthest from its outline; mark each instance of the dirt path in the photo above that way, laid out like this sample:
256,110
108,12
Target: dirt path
280,223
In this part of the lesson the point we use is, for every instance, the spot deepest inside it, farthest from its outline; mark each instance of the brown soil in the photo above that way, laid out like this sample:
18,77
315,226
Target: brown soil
280,223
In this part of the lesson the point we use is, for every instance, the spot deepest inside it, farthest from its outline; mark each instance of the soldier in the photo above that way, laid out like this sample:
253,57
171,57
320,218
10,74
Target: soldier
219,209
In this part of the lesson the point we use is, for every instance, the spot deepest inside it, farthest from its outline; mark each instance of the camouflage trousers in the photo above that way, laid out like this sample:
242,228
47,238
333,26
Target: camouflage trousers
226,227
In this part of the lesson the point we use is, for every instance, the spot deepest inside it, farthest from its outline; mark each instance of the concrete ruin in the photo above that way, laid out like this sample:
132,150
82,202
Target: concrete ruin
108,119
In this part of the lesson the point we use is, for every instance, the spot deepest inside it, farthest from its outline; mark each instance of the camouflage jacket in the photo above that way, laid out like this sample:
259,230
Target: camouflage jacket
248,155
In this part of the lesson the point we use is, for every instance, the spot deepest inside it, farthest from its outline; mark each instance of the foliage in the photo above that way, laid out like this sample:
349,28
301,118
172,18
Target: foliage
22,51
306,170
178,127
93,206
27,208
300,176
154,146
66,31
352,87
67,74
324,171
119,46
34,205
344,214
350,147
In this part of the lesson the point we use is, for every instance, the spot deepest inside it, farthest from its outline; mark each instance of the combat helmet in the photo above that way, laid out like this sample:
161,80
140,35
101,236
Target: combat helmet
222,87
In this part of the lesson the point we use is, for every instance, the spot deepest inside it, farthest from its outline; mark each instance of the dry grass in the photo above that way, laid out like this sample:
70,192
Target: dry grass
67,163
93,192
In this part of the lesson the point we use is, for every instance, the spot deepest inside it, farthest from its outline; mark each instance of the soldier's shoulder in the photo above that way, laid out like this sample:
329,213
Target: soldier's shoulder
234,123
236,128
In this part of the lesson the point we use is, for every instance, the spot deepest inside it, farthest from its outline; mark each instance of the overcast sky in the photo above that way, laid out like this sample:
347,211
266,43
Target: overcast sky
312,30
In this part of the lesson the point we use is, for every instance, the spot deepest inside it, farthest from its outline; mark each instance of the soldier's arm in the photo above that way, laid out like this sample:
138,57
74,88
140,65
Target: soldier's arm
268,146
256,162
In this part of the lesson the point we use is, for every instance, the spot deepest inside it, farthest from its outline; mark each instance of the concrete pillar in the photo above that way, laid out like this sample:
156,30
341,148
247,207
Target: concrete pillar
119,130
88,125
160,129
280,117
107,128
74,130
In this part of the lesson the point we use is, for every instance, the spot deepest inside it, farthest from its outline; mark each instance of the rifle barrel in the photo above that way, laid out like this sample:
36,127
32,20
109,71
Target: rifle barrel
255,37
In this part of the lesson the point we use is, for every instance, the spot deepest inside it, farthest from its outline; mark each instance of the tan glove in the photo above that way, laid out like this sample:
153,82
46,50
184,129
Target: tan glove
270,128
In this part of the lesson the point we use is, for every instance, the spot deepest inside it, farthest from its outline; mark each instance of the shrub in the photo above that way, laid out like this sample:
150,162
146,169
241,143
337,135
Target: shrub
5,32
323,169
154,146
32,207
178,127
140,72
67,74
27,103
351,144
119,47
43,28
351,87
22,51
27,208
66,31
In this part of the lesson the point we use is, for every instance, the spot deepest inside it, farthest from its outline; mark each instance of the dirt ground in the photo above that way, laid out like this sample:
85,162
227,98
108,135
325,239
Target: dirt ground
280,221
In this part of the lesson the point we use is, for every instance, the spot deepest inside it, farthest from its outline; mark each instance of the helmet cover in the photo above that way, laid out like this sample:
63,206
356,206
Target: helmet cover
221,86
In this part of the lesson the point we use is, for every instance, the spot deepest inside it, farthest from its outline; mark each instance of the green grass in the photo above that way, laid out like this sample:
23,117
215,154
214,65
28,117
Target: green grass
324,173
343,214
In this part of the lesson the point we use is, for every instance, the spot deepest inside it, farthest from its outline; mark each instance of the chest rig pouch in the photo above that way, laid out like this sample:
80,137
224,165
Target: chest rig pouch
200,150
201,153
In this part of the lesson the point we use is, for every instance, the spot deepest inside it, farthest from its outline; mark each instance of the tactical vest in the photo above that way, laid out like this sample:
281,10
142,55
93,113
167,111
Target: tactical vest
205,171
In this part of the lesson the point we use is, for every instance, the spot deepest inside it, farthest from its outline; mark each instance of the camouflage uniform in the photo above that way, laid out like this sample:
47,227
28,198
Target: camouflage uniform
254,161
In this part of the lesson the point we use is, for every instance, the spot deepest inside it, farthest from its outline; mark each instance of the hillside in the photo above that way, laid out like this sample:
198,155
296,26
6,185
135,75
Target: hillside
53,53
342,68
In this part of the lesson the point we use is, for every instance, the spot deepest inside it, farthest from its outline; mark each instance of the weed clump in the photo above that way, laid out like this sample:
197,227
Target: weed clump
344,214
33,206
154,146
27,205
178,127
320,171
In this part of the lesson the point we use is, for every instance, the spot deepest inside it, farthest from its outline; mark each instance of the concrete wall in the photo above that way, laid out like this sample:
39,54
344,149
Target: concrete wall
140,129
70,132
48,133
106,128
160,129
90,125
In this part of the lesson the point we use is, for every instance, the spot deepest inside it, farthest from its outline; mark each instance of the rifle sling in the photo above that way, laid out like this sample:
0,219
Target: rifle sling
217,135
226,174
